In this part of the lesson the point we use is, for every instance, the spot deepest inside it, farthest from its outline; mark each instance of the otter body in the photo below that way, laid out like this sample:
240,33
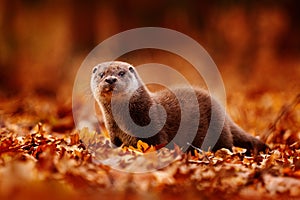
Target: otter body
117,85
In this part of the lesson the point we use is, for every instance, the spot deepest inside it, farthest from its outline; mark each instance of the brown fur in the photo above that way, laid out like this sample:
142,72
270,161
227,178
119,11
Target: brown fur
142,100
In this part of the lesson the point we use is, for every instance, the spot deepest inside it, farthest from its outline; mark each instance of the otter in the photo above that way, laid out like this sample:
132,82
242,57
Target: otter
127,106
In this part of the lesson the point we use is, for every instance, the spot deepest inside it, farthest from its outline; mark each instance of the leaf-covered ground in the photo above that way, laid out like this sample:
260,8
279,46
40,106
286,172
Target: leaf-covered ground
43,156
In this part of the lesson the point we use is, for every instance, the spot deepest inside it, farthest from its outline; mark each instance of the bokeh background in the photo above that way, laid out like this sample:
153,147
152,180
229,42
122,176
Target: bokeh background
255,44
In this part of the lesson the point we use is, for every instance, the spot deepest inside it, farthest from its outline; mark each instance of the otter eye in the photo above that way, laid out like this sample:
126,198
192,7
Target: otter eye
131,69
121,73
94,70
101,74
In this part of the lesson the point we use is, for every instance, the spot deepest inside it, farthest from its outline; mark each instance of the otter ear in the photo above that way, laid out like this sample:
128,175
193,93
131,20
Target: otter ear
95,69
131,69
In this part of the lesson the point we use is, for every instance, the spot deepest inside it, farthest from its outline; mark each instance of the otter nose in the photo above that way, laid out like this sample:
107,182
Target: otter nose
110,80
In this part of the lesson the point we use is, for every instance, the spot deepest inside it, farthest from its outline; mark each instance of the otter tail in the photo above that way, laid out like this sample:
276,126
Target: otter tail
247,141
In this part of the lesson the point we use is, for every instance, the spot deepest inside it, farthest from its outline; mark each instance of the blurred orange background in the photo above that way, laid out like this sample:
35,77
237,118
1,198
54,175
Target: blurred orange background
256,45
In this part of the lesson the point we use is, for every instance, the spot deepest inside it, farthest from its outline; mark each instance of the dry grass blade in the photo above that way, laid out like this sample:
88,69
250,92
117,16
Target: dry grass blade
284,111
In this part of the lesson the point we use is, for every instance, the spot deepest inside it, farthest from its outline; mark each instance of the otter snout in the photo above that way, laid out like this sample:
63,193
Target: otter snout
110,80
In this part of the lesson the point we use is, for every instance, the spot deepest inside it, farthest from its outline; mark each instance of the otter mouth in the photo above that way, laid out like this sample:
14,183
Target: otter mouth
108,89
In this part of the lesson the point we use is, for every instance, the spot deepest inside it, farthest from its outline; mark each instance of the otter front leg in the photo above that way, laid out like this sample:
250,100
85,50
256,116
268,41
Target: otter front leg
116,141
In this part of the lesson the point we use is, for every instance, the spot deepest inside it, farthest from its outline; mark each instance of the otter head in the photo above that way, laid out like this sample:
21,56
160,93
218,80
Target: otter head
117,78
